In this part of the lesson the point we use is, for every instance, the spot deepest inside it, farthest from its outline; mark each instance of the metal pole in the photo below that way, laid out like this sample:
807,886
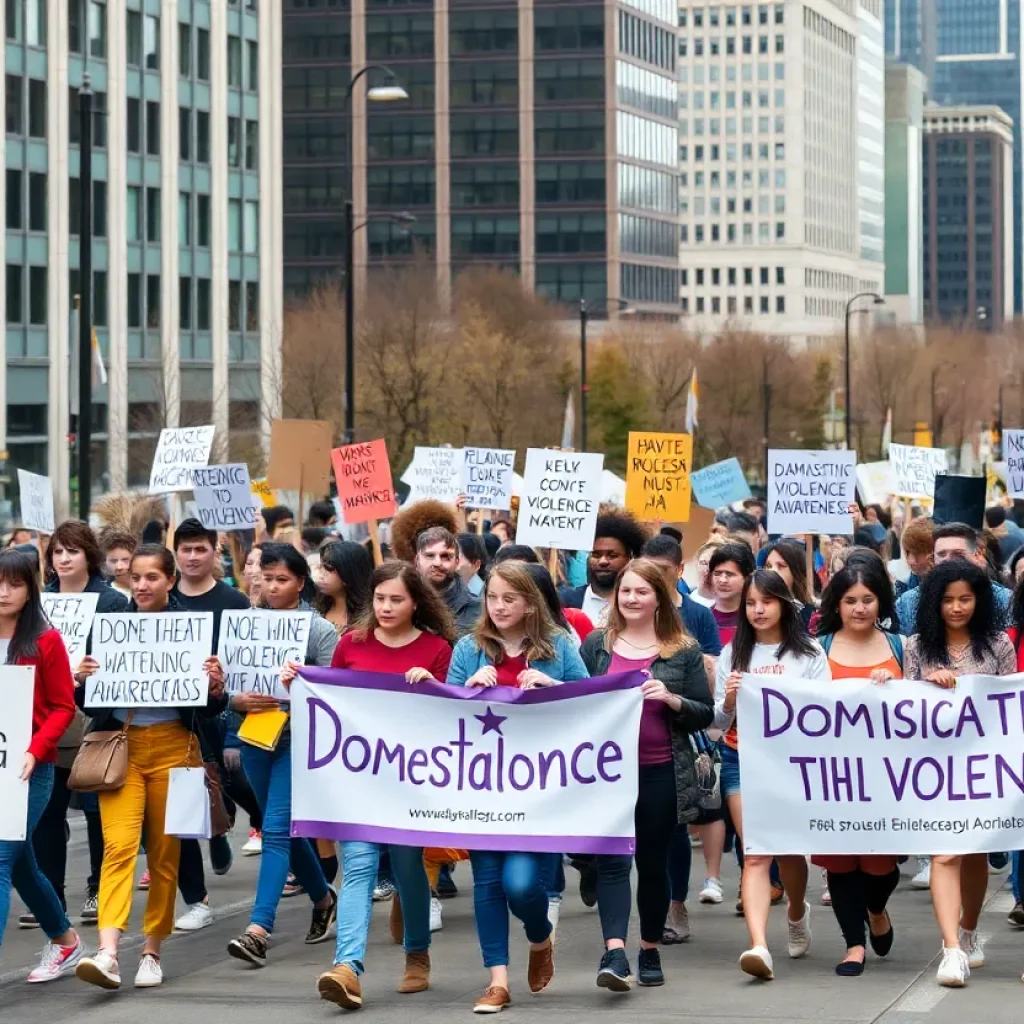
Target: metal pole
847,428
767,416
583,375
350,325
85,312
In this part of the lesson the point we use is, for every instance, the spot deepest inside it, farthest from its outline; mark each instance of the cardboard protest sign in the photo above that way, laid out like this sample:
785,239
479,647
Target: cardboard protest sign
255,643
36,501
71,615
178,452
697,530
915,469
658,475
434,473
811,491
224,500
18,683
487,477
151,660
300,456
960,499
561,493
1013,456
720,484
363,475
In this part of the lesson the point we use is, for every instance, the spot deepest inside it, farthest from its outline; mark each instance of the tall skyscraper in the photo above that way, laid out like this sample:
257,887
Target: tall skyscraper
910,33
186,289
539,135
781,142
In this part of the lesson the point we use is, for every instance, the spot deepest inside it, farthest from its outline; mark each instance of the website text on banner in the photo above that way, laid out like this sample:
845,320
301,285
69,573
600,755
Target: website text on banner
904,768
543,770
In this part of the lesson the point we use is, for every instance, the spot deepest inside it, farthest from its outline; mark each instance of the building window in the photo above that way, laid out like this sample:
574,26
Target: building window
251,227
74,24
184,219
252,55
134,118
234,62
764,303
234,225
234,142
184,133
203,303
14,296
780,275
252,306
97,29
151,42
780,230
99,298
134,300
203,54
133,211
152,215
99,209
35,22
184,50
36,108
133,37
152,128
36,201
202,220
14,198
252,145
202,137
185,303
234,306
152,300
37,294
13,103
780,304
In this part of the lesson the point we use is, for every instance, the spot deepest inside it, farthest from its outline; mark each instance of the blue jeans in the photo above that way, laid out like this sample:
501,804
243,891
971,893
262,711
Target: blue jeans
270,774
509,881
554,875
1015,875
18,865
359,862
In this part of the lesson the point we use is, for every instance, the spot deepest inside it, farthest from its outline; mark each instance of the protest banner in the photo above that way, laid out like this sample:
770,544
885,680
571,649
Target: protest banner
811,491
18,683
224,500
178,452
658,475
434,473
905,768
720,484
1013,456
363,475
255,643
487,477
960,499
150,660
542,770
561,492
300,457
915,468
36,499
71,615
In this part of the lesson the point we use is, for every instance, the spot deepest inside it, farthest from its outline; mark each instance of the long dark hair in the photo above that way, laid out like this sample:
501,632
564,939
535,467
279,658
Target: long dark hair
546,586
984,625
354,566
793,553
21,569
869,572
431,613
795,638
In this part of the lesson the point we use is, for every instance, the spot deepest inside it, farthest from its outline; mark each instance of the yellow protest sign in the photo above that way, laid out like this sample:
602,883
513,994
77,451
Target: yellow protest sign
658,476
261,489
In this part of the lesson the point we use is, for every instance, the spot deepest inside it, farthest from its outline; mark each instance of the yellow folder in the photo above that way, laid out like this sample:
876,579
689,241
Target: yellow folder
263,728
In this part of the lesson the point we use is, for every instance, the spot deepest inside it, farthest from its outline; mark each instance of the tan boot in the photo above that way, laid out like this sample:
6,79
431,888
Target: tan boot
340,985
417,973
396,923
542,967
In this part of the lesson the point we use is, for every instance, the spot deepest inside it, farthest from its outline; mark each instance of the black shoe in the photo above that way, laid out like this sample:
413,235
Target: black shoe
588,884
648,968
446,887
850,969
321,926
250,948
614,973
1016,916
220,855
882,944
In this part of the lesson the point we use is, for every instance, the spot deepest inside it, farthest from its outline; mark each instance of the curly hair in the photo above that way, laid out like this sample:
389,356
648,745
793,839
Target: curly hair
412,520
984,625
621,525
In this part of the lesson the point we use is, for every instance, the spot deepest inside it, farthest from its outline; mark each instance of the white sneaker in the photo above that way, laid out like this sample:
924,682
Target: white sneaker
198,915
954,970
554,909
826,895
800,934
55,961
712,891
923,878
101,970
253,845
757,962
436,924
150,974
974,947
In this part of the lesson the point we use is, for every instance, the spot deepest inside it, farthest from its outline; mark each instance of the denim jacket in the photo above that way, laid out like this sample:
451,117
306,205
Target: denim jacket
468,658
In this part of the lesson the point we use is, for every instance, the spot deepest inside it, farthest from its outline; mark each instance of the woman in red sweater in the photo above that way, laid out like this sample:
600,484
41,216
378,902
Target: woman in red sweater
27,638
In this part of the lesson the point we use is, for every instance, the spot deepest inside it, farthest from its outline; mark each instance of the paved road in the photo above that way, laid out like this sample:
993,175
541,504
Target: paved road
204,984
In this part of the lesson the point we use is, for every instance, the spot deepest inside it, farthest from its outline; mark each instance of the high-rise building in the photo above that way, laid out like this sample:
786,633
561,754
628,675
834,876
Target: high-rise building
539,135
910,34
186,259
781,126
968,216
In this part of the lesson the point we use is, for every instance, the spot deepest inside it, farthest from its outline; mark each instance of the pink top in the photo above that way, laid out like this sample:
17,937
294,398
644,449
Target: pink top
656,722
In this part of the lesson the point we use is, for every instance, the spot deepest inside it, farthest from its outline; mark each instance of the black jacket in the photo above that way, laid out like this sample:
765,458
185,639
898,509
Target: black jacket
572,597
465,608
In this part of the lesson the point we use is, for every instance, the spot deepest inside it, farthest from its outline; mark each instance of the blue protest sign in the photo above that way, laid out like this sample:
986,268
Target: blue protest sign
720,484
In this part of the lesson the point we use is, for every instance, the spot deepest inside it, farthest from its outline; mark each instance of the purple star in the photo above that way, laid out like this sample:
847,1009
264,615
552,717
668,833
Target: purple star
491,722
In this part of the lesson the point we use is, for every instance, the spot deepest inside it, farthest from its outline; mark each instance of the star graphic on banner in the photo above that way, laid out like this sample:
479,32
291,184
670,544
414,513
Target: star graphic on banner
491,722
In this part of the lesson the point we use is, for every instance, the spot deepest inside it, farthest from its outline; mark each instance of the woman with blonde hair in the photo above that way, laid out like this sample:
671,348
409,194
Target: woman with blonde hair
645,632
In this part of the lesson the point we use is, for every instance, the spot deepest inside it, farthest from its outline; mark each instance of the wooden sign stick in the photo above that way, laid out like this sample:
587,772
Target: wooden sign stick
480,520
378,554
809,541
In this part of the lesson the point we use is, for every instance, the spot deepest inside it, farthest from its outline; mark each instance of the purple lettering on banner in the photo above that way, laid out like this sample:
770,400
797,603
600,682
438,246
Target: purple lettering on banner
1003,699
584,780
803,763
943,734
1003,768
417,759
973,776
843,715
969,713
391,756
766,695
898,787
610,753
546,761
899,713
482,761
462,745
352,741
916,781
951,792
520,759
842,779
801,720
312,761
446,775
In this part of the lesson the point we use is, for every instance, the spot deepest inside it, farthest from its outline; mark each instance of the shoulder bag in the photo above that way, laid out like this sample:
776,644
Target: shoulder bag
101,764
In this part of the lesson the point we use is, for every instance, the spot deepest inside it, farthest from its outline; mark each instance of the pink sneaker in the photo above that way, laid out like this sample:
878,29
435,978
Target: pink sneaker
144,881
55,961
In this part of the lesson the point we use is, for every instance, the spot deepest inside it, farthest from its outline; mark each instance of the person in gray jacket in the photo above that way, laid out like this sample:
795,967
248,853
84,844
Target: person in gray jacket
437,554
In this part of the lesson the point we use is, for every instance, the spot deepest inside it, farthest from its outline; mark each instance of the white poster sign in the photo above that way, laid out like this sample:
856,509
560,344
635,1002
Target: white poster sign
539,770
915,469
434,473
150,660
876,482
178,452
36,501
72,615
561,493
811,491
905,768
487,477
18,683
1013,459
224,499
255,643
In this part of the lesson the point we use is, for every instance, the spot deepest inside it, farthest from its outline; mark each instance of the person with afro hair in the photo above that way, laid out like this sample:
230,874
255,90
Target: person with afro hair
619,538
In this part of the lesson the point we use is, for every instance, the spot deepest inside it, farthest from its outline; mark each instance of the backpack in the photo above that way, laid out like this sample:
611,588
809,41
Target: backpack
895,644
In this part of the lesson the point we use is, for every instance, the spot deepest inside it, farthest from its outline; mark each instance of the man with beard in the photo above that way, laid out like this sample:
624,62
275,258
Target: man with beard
619,538
437,558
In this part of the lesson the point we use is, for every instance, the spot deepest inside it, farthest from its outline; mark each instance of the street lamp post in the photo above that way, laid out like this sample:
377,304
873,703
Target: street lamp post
622,306
84,433
848,425
380,94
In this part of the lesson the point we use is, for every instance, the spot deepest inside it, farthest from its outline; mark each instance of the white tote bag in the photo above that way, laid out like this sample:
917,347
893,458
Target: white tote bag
188,804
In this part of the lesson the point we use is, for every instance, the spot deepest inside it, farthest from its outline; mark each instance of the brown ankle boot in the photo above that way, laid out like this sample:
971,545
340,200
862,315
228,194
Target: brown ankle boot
417,973
542,968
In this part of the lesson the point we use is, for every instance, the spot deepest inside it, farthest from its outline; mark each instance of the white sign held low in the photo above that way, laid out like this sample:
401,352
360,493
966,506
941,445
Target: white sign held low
178,452
811,491
72,615
18,685
561,493
434,473
255,643
224,500
36,501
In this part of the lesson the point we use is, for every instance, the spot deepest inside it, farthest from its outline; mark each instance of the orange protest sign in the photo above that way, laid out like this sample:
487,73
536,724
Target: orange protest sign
363,475
658,476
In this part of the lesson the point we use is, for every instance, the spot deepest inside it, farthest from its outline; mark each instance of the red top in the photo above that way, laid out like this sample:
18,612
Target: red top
580,622
370,655
726,622
53,700
656,720
1018,647
508,670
